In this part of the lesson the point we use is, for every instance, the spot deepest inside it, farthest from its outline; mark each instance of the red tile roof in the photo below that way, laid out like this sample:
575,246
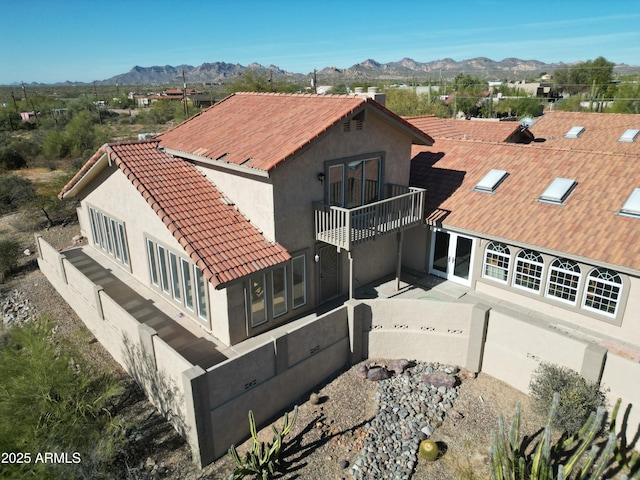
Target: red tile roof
601,133
485,130
262,130
220,240
585,226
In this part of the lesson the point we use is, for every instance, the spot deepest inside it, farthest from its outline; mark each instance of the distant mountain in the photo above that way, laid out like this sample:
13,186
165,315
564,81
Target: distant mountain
509,68
217,72
406,69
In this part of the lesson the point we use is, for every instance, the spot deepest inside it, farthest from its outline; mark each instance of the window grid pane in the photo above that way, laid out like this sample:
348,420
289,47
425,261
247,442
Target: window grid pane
496,263
162,265
603,291
528,270
564,277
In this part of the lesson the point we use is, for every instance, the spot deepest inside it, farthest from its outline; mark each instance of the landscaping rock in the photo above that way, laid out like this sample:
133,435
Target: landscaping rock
376,374
440,379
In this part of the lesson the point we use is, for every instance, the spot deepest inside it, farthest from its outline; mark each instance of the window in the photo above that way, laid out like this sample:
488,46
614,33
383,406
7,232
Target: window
354,183
299,281
175,277
162,267
109,234
528,270
496,261
258,310
187,283
201,291
279,291
564,278
602,292
153,269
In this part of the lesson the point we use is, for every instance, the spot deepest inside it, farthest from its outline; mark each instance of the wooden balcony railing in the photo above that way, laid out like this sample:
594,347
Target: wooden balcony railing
346,227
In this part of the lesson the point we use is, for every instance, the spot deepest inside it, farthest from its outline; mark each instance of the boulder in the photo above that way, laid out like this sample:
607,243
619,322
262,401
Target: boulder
439,379
376,374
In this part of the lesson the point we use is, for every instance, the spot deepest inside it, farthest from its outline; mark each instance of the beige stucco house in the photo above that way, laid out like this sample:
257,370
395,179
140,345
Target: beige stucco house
256,234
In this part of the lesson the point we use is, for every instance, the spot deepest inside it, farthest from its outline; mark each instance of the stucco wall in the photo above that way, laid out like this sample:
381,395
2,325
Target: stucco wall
627,331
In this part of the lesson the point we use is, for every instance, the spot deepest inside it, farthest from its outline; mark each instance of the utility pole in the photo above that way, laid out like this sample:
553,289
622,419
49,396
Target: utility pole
184,96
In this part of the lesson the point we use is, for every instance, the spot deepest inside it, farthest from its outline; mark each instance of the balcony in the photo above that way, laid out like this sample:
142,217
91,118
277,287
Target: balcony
346,227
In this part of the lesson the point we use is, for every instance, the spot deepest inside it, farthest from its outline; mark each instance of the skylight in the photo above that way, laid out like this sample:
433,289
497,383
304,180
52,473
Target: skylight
491,180
575,132
632,206
629,136
558,191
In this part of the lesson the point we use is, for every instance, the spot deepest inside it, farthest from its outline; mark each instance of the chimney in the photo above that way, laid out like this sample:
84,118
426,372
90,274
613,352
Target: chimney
372,92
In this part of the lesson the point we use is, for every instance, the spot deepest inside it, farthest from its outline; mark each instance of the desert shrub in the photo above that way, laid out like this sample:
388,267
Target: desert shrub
49,402
14,192
11,159
8,256
578,397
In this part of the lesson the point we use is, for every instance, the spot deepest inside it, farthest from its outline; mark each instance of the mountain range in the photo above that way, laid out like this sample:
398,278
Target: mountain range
406,69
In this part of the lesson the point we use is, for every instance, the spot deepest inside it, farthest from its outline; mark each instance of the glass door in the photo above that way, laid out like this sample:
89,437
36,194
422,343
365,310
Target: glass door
451,256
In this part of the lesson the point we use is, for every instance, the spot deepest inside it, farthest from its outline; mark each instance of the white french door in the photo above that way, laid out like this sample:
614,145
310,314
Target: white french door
451,256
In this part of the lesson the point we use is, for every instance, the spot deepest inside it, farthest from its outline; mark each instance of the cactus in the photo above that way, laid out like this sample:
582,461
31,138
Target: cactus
429,450
577,457
262,460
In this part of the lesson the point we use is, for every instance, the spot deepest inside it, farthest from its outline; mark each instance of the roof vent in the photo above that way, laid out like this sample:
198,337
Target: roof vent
629,136
558,191
575,132
491,181
631,207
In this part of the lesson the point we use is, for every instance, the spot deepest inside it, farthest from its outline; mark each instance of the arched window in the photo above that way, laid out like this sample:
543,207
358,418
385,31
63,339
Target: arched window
602,292
564,278
528,270
496,261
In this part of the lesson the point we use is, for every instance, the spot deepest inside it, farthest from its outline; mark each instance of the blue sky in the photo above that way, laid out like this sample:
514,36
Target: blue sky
84,40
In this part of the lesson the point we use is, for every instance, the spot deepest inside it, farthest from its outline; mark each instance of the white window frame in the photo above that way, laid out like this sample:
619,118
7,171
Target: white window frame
595,283
179,279
497,258
559,268
523,267
109,235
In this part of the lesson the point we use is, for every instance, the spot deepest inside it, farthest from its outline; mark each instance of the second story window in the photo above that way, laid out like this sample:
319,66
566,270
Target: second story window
354,182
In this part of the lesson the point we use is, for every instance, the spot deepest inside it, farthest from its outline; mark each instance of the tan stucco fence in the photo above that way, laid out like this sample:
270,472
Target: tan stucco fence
209,406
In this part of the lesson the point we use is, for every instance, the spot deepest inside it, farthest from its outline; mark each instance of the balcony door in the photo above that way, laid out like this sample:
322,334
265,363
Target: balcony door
451,256
355,182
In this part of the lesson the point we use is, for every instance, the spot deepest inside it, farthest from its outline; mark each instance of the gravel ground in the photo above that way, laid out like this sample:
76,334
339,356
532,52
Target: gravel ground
329,434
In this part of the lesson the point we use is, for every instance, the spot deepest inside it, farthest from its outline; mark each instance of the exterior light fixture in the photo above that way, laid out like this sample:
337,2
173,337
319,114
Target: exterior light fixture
321,177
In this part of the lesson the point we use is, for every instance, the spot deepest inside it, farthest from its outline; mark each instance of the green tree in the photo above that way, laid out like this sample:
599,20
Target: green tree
407,102
520,107
592,76
50,403
627,99
252,80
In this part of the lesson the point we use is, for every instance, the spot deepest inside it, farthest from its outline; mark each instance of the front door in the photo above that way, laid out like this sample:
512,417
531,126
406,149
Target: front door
451,256
329,279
